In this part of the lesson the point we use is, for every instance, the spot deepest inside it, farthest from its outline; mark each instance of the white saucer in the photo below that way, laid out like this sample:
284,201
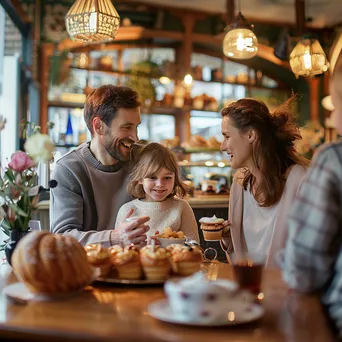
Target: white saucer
18,292
162,311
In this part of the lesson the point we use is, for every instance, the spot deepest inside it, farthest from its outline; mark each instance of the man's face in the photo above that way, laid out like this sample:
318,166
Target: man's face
122,133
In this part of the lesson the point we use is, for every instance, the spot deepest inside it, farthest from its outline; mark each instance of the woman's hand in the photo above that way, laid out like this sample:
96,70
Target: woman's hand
133,230
226,226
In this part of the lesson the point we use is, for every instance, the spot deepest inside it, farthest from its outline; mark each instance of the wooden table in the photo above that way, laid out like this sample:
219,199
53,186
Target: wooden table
119,313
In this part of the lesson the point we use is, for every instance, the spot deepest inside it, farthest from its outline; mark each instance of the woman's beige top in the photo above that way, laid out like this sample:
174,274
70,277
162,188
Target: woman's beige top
235,238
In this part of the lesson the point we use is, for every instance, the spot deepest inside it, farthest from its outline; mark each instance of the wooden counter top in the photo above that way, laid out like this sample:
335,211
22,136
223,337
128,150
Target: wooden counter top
119,313
215,201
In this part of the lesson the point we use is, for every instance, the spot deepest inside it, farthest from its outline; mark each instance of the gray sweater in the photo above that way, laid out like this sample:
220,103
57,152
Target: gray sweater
88,196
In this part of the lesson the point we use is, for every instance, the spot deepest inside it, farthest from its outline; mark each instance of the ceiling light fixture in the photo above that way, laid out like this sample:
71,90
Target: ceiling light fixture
240,41
308,58
92,20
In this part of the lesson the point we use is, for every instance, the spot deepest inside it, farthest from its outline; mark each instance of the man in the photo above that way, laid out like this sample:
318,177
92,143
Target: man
92,178
313,254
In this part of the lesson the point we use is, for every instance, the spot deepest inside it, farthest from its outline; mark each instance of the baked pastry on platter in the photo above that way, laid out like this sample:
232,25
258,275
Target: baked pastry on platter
51,263
127,263
99,257
155,261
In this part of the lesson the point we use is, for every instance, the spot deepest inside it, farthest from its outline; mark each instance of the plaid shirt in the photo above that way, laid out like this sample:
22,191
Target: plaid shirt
313,254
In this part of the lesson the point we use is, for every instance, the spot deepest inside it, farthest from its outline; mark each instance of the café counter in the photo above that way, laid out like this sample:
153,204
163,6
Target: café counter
105,313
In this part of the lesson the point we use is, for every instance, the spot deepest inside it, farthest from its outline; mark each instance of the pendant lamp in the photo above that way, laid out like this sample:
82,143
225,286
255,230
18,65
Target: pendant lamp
308,58
240,41
92,20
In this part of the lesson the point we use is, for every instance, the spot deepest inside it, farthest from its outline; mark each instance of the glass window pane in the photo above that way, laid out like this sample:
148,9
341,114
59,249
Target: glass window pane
156,127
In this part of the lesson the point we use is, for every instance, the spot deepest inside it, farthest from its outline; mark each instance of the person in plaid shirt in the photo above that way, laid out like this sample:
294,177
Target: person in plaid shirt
313,253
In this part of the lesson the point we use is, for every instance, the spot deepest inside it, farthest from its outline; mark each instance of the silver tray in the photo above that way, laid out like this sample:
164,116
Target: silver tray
130,282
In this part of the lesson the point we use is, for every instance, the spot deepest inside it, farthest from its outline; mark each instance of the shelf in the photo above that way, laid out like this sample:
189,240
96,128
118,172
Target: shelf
127,74
207,163
62,104
201,150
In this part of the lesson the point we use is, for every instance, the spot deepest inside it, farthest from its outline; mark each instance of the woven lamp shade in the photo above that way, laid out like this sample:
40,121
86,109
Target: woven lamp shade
308,58
92,20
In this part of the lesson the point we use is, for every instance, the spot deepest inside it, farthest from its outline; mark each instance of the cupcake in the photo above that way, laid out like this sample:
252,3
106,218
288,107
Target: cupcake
212,228
187,259
99,257
155,261
127,262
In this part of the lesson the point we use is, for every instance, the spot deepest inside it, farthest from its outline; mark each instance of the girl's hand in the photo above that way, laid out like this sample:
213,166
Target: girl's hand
133,230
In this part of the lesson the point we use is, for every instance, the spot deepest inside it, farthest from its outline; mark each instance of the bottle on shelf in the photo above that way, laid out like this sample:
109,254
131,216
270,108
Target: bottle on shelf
69,132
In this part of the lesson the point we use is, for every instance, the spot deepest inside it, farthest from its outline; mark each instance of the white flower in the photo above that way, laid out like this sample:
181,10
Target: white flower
40,147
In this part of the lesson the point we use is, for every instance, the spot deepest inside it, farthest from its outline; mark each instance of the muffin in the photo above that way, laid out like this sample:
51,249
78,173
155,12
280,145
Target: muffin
99,257
212,228
50,264
155,262
187,259
127,263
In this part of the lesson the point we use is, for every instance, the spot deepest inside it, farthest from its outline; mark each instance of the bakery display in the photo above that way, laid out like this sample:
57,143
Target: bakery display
51,264
212,228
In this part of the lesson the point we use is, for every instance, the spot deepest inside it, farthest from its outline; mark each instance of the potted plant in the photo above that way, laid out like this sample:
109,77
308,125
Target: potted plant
19,189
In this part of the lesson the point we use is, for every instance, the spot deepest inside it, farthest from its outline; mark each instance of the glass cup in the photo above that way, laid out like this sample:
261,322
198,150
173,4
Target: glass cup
248,269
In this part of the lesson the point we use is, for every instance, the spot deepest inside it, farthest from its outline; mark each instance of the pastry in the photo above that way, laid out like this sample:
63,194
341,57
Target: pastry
127,263
155,261
99,257
212,228
51,263
187,259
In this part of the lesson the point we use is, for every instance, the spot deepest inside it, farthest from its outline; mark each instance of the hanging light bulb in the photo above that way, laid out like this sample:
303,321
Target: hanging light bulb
240,41
308,58
92,20
188,79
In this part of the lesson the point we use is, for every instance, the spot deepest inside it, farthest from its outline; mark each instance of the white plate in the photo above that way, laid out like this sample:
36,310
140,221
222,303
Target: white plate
20,293
162,311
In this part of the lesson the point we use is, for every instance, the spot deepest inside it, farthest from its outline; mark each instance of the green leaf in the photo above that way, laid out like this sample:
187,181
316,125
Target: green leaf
9,174
18,210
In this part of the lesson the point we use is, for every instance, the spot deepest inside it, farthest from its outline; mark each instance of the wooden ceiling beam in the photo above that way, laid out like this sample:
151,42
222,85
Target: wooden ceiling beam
15,12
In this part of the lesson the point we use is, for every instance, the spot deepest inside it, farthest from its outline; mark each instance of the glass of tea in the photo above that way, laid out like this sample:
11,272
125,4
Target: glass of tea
248,269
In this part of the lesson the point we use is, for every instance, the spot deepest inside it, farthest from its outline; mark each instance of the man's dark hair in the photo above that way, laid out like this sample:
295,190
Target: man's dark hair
104,102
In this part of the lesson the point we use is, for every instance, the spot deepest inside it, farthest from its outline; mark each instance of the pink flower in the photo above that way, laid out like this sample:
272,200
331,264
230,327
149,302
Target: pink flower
20,161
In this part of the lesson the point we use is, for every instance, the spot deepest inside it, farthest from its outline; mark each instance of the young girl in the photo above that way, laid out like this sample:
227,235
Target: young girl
155,182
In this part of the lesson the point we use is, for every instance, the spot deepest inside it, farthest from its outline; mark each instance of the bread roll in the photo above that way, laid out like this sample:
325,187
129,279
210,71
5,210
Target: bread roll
51,264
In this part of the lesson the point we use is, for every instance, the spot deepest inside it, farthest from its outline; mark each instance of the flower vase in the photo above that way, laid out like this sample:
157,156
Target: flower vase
15,237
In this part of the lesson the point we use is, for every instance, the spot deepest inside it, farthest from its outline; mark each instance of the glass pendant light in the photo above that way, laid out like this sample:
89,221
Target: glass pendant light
240,41
92,20
308,58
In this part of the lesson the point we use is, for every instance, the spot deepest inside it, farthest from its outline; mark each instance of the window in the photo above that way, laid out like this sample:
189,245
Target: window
156,127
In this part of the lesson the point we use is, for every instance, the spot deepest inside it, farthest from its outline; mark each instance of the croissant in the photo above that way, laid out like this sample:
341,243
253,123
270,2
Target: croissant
51,264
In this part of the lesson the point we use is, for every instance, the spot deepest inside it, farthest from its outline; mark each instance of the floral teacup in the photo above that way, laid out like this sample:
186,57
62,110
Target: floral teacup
197,299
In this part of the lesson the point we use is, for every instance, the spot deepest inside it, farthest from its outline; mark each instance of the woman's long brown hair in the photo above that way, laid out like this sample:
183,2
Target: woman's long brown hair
273,152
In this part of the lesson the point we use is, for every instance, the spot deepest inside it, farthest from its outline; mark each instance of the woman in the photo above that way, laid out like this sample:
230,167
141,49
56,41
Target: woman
261,146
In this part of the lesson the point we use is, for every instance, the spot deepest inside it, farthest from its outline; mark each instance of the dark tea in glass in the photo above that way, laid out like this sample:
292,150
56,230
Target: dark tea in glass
248,274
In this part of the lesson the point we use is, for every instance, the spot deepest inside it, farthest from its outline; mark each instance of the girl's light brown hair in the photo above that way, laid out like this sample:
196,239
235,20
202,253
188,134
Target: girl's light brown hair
149,160
274,152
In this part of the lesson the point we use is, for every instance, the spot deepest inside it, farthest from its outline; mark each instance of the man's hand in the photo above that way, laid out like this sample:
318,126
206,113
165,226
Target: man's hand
133,230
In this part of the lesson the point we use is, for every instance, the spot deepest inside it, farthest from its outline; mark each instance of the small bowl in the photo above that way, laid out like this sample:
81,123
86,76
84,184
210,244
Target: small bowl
164,242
